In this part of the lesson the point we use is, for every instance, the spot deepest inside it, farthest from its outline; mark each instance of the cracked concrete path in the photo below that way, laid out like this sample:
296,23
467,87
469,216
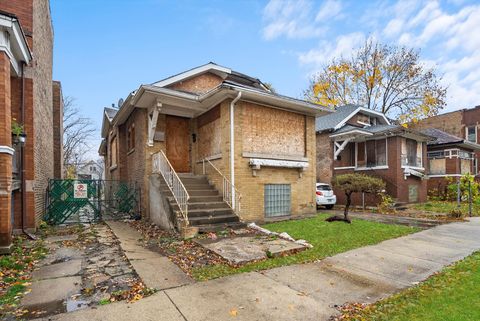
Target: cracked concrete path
306,291
155,270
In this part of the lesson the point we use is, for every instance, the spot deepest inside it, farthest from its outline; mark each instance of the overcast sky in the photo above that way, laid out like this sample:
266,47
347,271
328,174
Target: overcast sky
106,49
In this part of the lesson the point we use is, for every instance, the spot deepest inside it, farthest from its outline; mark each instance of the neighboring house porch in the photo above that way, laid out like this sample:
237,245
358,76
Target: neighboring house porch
364,141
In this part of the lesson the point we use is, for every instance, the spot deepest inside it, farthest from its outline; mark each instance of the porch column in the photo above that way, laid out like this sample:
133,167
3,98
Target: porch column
6,153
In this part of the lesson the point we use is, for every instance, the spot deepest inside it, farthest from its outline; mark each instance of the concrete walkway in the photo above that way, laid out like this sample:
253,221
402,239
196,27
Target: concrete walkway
307,291
156,271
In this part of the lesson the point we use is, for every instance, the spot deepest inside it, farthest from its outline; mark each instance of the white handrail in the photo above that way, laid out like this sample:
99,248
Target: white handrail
232,199
161,164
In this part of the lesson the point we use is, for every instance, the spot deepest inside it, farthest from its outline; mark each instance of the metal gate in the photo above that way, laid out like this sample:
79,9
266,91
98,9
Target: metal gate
87,201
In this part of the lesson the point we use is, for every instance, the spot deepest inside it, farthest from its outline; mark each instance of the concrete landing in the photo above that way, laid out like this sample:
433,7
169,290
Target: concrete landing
243,249
155,270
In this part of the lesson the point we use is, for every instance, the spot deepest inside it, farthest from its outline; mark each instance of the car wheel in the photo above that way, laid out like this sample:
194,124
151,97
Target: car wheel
328,207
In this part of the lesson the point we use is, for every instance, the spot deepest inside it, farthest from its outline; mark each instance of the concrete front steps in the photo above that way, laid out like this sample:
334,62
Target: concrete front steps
206,209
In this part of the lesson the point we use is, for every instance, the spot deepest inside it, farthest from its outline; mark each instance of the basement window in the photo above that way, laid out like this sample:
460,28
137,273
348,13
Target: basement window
277,200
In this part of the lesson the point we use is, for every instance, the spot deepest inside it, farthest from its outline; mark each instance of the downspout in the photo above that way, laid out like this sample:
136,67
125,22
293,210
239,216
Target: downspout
232,147
22,153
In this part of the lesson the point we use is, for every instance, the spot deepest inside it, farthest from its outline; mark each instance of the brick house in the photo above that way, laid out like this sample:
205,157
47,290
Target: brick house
359,140
449,157
463,123
28,95
191,117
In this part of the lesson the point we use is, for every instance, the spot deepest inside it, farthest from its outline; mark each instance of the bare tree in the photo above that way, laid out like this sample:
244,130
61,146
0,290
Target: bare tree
78,130
385,78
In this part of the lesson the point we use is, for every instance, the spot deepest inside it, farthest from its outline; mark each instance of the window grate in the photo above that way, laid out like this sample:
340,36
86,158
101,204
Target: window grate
277,200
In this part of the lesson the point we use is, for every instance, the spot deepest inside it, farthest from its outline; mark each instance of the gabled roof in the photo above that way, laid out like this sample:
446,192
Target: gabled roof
444,138
110,112
211,67
342,114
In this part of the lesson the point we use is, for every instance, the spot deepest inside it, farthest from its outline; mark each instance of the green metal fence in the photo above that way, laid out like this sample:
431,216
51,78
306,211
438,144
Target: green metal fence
85,200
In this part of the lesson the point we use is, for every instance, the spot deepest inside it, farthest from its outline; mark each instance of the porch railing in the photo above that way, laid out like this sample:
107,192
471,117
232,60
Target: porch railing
230,194
161,164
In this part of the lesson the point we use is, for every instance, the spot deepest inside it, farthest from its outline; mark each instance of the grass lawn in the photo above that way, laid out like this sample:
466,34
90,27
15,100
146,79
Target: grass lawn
447,207
327,239
452,295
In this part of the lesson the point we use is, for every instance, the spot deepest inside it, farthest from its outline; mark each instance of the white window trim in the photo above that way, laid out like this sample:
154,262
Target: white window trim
466,133
371,168
344,167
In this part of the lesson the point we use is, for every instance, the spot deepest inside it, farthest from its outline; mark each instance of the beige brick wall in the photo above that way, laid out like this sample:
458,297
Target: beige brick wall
451,123
252,188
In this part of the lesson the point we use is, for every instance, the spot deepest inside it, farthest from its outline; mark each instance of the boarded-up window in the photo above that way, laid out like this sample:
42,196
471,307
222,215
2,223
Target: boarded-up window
465,166
411,152
346,157
131,137
437,166
277,200
272,131
209,133
113,151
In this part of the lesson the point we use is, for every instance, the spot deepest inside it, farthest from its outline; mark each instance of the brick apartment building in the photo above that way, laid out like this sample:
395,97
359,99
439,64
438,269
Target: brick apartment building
30,98
192,117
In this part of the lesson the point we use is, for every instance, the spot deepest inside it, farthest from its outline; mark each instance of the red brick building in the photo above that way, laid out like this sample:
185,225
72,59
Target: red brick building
360,140
449,157
29,98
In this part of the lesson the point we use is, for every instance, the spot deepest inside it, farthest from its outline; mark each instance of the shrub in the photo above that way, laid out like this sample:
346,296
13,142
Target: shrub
386,205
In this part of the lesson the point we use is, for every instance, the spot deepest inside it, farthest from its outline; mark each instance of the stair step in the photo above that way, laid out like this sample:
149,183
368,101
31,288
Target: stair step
201,220
210,212
206,192
203,205
220,226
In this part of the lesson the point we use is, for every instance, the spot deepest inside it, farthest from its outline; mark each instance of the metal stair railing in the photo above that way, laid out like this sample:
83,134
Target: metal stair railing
230,194
161,164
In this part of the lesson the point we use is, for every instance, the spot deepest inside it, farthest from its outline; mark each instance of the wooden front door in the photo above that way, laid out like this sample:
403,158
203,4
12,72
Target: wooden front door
178,143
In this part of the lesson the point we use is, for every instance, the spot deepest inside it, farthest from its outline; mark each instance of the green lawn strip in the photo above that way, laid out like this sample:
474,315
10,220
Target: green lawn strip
446,207
15,270
451,295
327,239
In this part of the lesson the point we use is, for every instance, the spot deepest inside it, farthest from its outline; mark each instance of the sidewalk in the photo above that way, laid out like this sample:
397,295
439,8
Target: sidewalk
307,291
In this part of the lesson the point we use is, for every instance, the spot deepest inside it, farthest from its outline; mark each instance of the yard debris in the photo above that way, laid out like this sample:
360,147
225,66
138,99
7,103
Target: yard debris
283,235
187,254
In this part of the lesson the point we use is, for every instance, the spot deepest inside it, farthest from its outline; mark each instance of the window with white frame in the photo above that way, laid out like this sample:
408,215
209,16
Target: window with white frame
471,133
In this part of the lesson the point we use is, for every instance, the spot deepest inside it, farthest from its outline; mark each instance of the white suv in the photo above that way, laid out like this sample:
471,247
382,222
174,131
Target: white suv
325,196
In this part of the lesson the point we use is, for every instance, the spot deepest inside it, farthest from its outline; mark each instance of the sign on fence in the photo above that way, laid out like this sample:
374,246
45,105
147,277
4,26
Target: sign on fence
80,190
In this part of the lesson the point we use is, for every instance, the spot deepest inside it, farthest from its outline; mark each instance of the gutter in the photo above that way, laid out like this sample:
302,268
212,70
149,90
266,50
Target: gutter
232,147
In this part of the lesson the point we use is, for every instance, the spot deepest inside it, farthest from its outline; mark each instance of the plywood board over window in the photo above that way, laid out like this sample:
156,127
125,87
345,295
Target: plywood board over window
272,131
209,133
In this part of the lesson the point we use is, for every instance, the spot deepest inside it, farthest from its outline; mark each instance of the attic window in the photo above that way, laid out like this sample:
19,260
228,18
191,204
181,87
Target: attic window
363,120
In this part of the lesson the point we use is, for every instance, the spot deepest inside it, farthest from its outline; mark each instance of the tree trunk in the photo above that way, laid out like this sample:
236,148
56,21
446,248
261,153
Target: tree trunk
347,206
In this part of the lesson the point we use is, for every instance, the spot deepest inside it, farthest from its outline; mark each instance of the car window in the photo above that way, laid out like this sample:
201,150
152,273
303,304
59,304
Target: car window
324,188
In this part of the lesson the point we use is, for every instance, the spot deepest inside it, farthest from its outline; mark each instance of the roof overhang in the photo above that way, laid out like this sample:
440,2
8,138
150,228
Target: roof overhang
189,105
13,42
210,67
365,111
354,133
102,149
461,143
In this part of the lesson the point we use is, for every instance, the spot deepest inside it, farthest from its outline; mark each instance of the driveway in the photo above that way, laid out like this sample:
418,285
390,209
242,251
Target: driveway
308,291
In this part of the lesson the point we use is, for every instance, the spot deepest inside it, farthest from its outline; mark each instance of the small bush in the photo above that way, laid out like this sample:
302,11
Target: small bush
456,213
386,205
